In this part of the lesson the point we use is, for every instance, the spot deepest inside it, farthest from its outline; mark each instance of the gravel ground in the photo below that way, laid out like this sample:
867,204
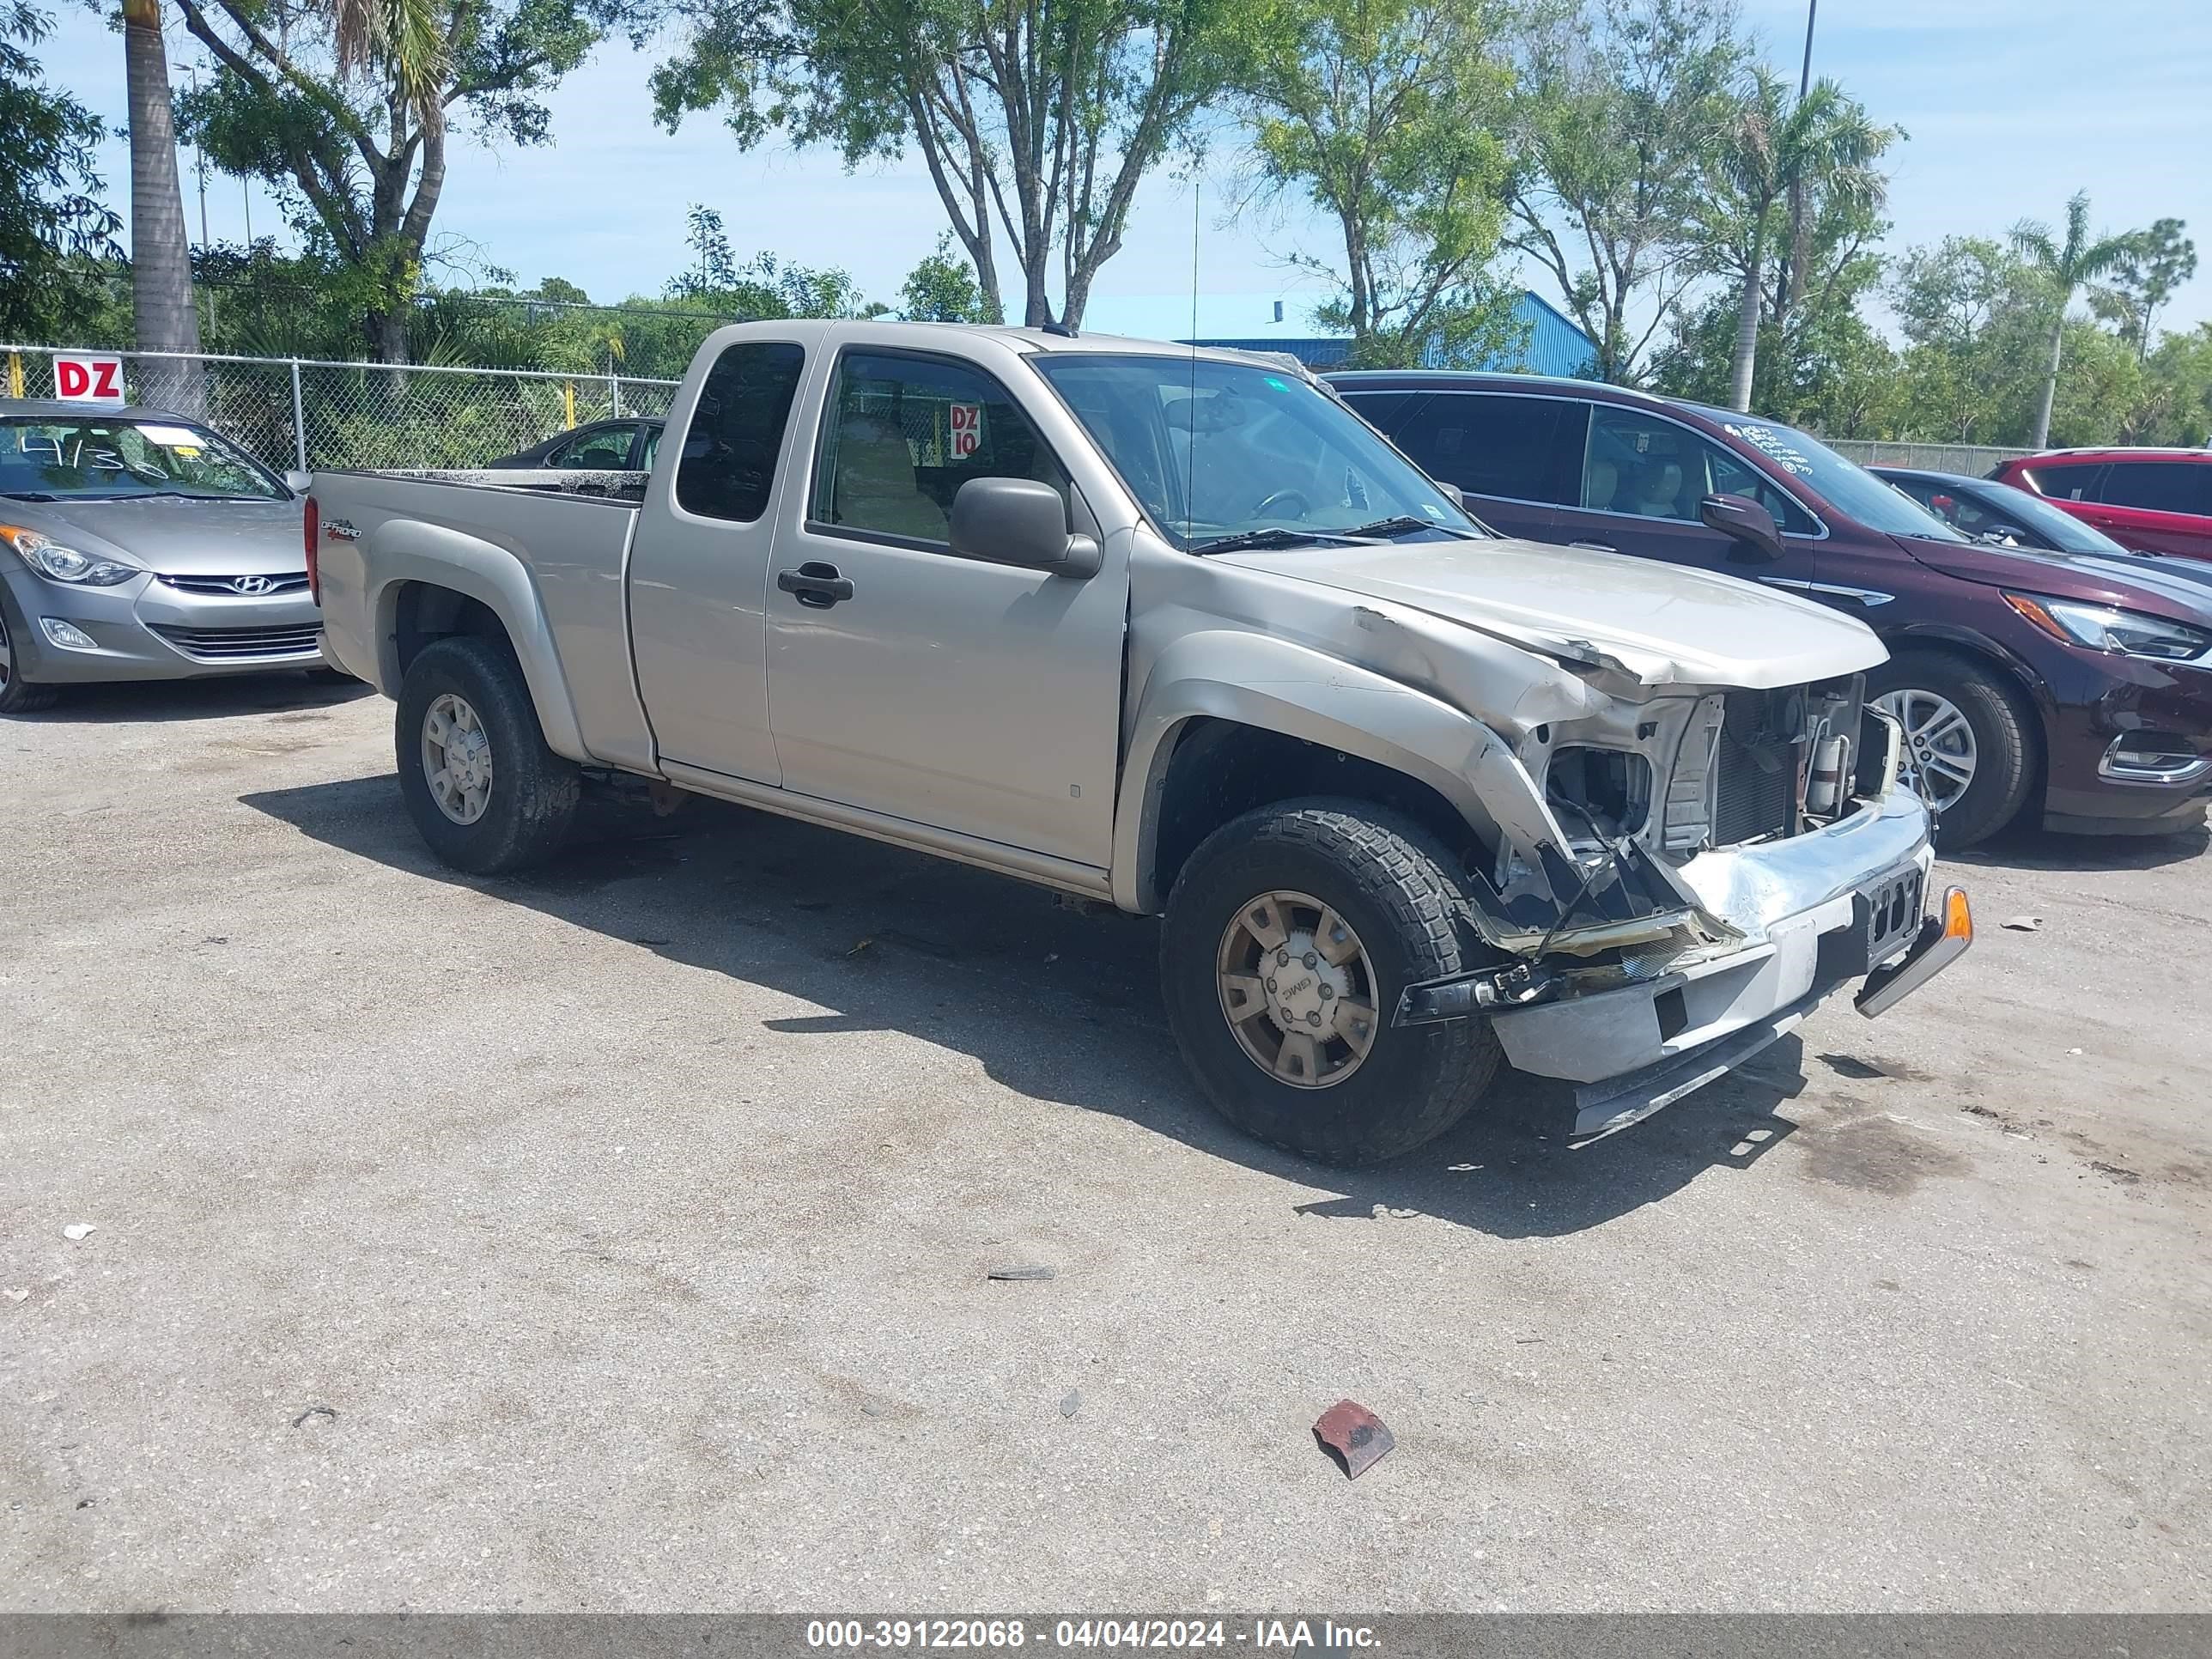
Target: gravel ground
618,1238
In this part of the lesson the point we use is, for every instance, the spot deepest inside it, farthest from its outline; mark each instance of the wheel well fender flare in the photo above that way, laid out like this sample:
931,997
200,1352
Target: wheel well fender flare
1980,651
1276,685
410,550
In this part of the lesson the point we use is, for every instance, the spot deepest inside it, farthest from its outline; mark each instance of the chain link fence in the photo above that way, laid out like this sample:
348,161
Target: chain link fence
1970,460
300,412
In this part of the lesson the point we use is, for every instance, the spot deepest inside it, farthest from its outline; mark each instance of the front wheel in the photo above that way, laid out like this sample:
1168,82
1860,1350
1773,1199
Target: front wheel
1967,738
483,788
1289,937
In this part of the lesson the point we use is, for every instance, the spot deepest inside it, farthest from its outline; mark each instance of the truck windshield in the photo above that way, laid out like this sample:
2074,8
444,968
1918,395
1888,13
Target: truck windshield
1214,450
111,458
1844,485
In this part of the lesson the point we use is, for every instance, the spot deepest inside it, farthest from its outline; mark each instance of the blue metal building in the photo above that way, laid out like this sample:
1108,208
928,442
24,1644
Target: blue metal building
1555,345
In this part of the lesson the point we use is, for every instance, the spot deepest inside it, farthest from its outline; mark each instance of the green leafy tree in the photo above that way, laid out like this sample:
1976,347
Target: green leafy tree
942,289
1623,113
1973,315
2065,264
1819,363
345,114
1779,150
713,265
2158,261
54,222
1037,119
1384,116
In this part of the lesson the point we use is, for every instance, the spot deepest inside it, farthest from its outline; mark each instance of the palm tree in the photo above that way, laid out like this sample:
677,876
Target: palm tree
2065,267
1775,150
163,316
405,39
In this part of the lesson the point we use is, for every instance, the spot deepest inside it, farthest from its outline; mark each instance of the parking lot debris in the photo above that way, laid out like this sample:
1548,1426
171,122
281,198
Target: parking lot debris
1070,1402
1354,1435
1023,1275
17,1293
2023,924
300,1421
78,1230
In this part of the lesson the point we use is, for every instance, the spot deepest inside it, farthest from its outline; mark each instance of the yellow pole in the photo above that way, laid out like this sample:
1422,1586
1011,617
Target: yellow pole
568,402
15,374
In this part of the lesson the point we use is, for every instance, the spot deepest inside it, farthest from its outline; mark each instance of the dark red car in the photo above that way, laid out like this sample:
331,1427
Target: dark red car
2155,501
2071,689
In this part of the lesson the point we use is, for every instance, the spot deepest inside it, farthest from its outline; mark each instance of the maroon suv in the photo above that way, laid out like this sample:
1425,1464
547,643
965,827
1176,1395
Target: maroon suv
2072,689
2155,500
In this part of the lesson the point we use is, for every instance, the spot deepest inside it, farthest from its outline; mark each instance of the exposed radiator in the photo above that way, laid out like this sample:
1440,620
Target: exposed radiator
1756,792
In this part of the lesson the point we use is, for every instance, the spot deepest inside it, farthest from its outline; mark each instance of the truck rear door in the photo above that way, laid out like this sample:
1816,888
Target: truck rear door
953,692
698,574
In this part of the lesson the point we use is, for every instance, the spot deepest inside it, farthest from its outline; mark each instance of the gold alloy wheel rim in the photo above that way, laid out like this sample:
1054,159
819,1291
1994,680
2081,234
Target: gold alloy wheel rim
1298,989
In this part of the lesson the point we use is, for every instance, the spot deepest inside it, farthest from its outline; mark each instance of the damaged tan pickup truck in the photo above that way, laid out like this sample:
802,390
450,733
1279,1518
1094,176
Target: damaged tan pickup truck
1176,631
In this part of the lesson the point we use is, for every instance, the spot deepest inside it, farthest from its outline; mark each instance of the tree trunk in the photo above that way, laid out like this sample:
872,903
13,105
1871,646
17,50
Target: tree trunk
162,315
1746,361
2050,381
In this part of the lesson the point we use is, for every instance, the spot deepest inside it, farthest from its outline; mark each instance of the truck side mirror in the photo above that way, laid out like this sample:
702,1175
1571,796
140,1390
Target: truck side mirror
299,483
1452,492
1019,521
1744,521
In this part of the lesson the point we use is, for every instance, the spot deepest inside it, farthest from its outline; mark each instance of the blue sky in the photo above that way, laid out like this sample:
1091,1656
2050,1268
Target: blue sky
2010,106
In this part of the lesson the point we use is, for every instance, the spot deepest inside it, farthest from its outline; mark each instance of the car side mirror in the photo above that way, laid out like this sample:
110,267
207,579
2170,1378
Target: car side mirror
1451,493
1744,521
1019,521
299,483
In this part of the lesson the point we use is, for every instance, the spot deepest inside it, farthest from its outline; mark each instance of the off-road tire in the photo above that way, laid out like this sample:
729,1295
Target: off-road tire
2005,747
534,792
1398,887
17,695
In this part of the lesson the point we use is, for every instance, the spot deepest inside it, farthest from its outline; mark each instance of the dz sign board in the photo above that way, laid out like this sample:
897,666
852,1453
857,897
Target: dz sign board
967,428
88,377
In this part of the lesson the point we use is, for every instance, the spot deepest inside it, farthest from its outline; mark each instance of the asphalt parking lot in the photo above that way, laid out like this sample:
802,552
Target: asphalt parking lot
618,1238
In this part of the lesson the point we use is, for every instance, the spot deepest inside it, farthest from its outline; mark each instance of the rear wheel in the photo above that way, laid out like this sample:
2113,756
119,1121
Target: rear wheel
1289,937
17,695
1966,738
484,790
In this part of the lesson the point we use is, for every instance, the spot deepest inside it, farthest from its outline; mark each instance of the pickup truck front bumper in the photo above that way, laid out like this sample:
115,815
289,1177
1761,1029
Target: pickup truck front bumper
1816,912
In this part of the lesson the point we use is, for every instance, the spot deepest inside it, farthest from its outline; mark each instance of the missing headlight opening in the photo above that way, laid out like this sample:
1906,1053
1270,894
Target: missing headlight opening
1608,790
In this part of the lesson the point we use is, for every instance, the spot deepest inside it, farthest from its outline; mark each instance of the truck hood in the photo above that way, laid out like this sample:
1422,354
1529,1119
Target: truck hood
1663,623
2178,590
176,538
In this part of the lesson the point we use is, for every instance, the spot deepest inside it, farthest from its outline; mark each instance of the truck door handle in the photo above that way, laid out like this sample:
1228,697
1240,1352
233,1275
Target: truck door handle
815,585
1595,547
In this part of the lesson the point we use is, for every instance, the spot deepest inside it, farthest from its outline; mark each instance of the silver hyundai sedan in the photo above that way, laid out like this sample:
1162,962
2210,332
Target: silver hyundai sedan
137,544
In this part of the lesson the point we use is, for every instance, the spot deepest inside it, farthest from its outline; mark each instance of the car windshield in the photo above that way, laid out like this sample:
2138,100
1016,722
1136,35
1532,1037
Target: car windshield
1844,485
2003,504
1215,450
115,458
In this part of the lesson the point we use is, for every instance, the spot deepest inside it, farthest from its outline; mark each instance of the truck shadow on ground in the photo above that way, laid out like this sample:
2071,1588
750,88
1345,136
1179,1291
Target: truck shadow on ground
1059,1006
128,701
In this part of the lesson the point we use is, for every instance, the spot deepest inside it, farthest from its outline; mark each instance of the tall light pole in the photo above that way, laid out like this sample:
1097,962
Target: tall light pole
1805,76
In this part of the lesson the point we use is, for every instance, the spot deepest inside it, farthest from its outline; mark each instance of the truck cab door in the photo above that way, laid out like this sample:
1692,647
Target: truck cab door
698,573
955,693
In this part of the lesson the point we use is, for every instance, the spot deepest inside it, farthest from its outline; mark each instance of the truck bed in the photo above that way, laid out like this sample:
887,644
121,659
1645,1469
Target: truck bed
555,543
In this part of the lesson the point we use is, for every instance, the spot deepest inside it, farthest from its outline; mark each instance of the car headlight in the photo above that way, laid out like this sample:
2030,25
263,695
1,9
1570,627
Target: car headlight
65,564
2101,628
